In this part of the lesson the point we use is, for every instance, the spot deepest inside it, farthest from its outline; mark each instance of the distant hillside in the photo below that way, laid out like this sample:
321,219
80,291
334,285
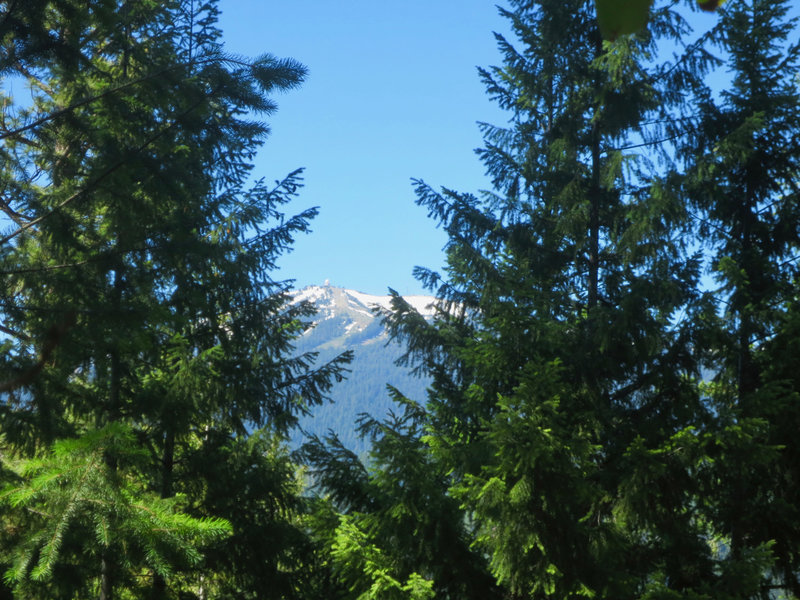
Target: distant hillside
345,321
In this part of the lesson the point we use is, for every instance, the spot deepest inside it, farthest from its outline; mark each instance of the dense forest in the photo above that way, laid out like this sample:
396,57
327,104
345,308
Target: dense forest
614,361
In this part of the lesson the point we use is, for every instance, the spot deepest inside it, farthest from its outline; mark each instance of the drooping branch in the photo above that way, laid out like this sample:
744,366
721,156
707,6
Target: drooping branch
95,182
109,92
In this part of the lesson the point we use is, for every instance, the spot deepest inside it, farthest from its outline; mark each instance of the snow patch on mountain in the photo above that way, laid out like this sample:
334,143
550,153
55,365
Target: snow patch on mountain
424,305
356,310
346,320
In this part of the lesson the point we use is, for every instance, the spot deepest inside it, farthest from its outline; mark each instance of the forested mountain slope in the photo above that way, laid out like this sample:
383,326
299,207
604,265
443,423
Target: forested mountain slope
346,321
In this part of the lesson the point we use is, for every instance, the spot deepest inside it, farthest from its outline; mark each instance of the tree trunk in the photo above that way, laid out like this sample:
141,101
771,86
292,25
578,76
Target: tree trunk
595,197
112,415
106,586
594,221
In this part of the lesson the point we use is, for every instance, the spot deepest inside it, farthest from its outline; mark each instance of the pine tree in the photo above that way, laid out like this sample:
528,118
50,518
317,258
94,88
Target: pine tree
138,301
565,399
743,163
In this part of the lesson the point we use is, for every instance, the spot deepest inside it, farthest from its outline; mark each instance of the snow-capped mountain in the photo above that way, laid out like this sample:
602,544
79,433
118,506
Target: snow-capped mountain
346,320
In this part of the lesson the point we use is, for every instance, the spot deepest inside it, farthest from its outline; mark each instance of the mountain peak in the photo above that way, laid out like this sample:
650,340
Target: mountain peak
346,320
331,297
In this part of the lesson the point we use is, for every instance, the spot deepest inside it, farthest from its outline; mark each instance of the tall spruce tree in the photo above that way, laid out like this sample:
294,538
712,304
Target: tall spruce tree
565,401
743,163
145,336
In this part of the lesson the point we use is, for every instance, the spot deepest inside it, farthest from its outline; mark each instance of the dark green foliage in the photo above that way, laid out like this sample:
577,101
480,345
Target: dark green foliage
597,423
566,397
567,401
137,299
397,526
743,164
251,483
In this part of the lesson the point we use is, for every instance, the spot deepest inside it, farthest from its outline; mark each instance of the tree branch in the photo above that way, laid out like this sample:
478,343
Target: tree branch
68,109
91,185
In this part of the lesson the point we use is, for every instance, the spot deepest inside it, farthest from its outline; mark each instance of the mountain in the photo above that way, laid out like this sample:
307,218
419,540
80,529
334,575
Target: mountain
346,320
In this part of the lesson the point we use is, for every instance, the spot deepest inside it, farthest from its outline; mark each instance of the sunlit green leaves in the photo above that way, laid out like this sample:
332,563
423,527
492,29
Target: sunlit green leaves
73,489
369,571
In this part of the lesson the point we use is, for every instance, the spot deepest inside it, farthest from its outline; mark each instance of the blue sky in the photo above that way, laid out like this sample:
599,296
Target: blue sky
392,93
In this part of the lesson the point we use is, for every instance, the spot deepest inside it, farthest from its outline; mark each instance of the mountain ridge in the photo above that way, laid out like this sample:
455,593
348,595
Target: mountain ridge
347,320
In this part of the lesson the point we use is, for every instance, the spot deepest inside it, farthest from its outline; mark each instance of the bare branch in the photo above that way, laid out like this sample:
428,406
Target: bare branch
18,218
17,334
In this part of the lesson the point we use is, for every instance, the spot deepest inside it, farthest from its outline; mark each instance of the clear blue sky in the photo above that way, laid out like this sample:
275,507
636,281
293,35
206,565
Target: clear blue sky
392,93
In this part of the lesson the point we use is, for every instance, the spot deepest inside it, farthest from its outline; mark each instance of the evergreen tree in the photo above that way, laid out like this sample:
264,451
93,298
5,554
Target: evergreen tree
390,529
743,163
143,325
565,400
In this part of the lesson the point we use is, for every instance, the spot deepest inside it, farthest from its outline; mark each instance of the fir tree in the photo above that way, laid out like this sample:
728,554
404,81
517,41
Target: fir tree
564,400
743,163
390,529
138,300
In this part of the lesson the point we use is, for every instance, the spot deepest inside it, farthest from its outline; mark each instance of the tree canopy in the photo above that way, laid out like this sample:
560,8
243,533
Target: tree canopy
613,360
605,404
147,369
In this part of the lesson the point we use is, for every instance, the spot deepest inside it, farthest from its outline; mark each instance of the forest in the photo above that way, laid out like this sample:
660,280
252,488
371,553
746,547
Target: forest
614,403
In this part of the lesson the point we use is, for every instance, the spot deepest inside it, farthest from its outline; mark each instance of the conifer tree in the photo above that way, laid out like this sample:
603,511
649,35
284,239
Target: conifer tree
743,163
389,528
143,324
565,402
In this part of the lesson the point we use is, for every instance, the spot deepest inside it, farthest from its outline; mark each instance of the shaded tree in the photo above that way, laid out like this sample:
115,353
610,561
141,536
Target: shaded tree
137,299
743,162
565,399
389,528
